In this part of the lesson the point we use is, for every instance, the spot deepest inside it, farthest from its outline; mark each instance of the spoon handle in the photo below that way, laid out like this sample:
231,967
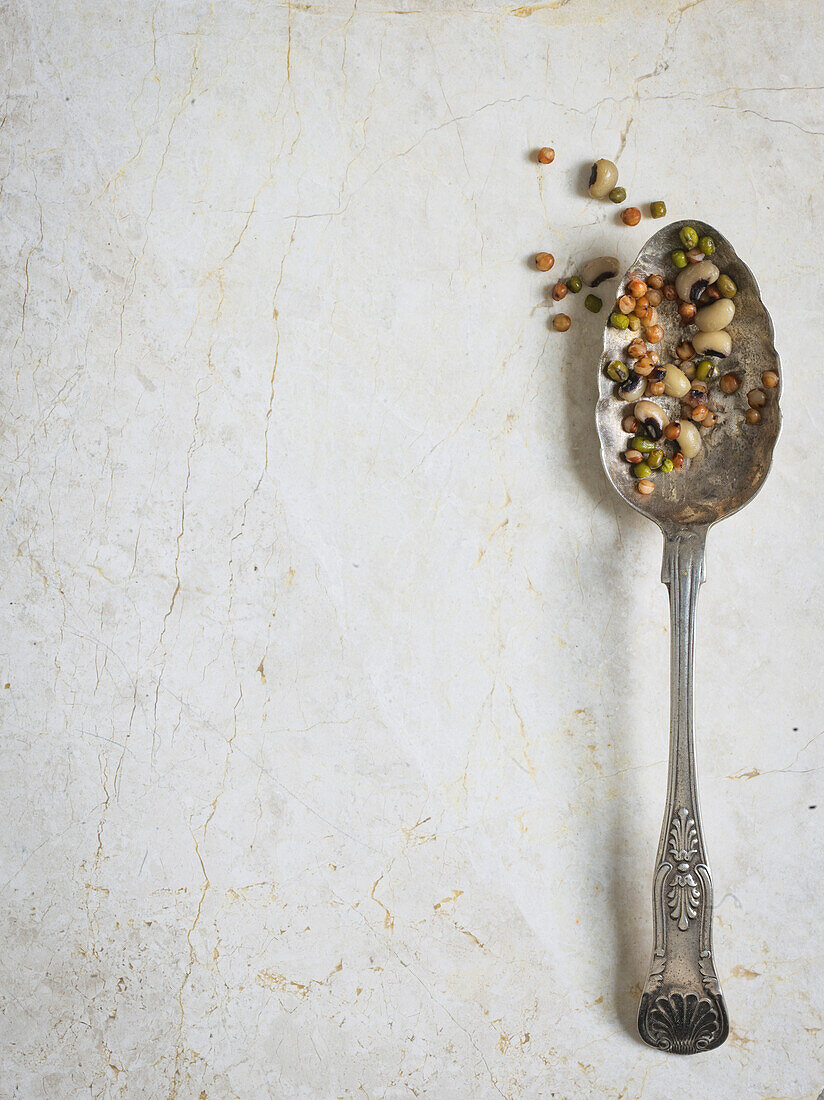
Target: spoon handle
682,1009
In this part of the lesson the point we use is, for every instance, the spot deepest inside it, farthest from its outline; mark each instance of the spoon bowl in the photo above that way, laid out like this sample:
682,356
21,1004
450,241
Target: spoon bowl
735,457
682,1009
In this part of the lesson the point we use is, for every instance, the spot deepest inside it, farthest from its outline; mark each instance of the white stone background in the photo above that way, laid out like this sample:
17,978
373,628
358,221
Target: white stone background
335,689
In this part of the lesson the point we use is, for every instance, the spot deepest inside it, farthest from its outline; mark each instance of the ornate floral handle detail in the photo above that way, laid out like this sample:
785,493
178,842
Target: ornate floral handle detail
682,1009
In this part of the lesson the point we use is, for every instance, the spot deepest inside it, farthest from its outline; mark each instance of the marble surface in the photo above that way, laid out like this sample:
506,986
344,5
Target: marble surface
334,674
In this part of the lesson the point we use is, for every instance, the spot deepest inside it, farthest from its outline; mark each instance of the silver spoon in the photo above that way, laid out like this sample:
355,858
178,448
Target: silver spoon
682,1008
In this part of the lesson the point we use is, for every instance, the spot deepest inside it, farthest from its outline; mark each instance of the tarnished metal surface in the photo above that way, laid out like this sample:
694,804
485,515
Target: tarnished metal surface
682,1009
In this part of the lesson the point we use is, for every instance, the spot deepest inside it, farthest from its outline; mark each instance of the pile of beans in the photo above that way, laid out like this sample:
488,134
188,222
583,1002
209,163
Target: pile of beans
703,297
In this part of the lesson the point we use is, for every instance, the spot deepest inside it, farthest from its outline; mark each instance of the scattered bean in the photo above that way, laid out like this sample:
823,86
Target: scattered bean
645,486
653,418
655,281
689,440
752,416
574,285
688,237
694,280
756,399
632,389
619,320
679,258
602,178
658,209
642,444
561,323
729,383
713,343
559,291
593,303
685,350
641,304
655,297
630,424
707,245
696,397
636,288
699,413
686,311
618,371
717,316
617,195
635,323
633,457
672,431
600,269
654,334
726,287
769,379
637,348
670,293
678,461
544,261
546,155
631,216
676,383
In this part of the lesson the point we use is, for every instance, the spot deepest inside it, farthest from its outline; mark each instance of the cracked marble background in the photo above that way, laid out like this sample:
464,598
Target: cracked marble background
334,674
